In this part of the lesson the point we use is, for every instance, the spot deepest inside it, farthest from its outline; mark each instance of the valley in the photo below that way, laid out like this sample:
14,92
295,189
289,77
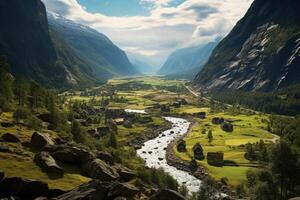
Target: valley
147,100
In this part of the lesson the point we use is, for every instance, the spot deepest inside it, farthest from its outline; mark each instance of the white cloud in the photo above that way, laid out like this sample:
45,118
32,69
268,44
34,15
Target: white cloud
165,29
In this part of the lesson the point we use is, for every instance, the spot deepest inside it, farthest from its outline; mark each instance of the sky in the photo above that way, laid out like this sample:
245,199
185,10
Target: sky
154,28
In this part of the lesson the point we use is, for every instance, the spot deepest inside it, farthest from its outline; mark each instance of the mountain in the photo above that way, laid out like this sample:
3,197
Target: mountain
34,53
143,64
106,59
187,62
261,53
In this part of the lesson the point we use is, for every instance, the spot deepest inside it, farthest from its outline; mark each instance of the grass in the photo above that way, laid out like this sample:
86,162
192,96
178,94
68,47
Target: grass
247,129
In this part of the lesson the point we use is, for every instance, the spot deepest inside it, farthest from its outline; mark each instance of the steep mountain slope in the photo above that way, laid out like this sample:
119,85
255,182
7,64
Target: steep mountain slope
187,61
261,53
25,40
105,58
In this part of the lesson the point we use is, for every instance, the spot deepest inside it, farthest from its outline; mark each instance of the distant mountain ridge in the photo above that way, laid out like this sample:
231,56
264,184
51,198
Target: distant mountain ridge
187,62
105,58
58,53
262,52
34,53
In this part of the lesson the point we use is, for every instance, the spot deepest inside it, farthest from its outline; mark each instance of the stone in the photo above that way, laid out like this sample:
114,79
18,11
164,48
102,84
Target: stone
181,146
1,176
105,156
127,124
8,137
67,153
25,188
217,120
122,189
125,173
47,163
227,127
45,117
7,124
4,149
165,194
198,152
145,119
95,189
201,115
40,140
98,169
215,158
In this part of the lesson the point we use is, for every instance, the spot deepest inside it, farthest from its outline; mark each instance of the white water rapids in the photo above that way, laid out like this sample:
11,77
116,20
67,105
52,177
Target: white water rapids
154,152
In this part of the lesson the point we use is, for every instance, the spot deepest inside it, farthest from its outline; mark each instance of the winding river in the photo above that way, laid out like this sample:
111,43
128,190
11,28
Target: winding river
154,152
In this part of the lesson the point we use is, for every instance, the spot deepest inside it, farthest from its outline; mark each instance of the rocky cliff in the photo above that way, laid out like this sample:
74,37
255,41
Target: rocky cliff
261,53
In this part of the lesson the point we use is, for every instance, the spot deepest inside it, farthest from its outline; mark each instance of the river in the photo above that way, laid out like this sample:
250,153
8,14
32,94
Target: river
154,152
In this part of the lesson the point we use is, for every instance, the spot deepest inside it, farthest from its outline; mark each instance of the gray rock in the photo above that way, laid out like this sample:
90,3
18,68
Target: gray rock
1,176
25,188
167,195
105,156
96,190
70,154
46,162
125,173
8,137
98,169
226,126
4,149
122,190
40,140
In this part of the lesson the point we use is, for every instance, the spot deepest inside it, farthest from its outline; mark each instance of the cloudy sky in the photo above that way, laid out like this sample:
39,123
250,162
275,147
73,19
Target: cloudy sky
154,28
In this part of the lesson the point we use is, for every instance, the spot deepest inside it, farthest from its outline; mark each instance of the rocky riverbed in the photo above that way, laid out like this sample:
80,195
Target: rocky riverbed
154,153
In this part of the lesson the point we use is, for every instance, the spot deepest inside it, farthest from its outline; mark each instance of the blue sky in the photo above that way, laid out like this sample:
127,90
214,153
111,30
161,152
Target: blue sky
154,28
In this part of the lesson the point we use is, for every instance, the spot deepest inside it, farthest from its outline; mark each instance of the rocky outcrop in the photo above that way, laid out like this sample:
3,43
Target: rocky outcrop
46,162
122,190
25,188
68,153
105,156
40,140
98,169
125,173
167,195
261,53
8,137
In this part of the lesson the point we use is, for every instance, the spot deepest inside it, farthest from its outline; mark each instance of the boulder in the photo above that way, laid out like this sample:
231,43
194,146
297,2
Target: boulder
167,195
25,188
40,140
8,137
92,190
215,158
1,176
227,127
105,156
7,124
125,173
46,162
45,117
4,149
122,190
67,153
127,124
201,115
217,120
98,169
